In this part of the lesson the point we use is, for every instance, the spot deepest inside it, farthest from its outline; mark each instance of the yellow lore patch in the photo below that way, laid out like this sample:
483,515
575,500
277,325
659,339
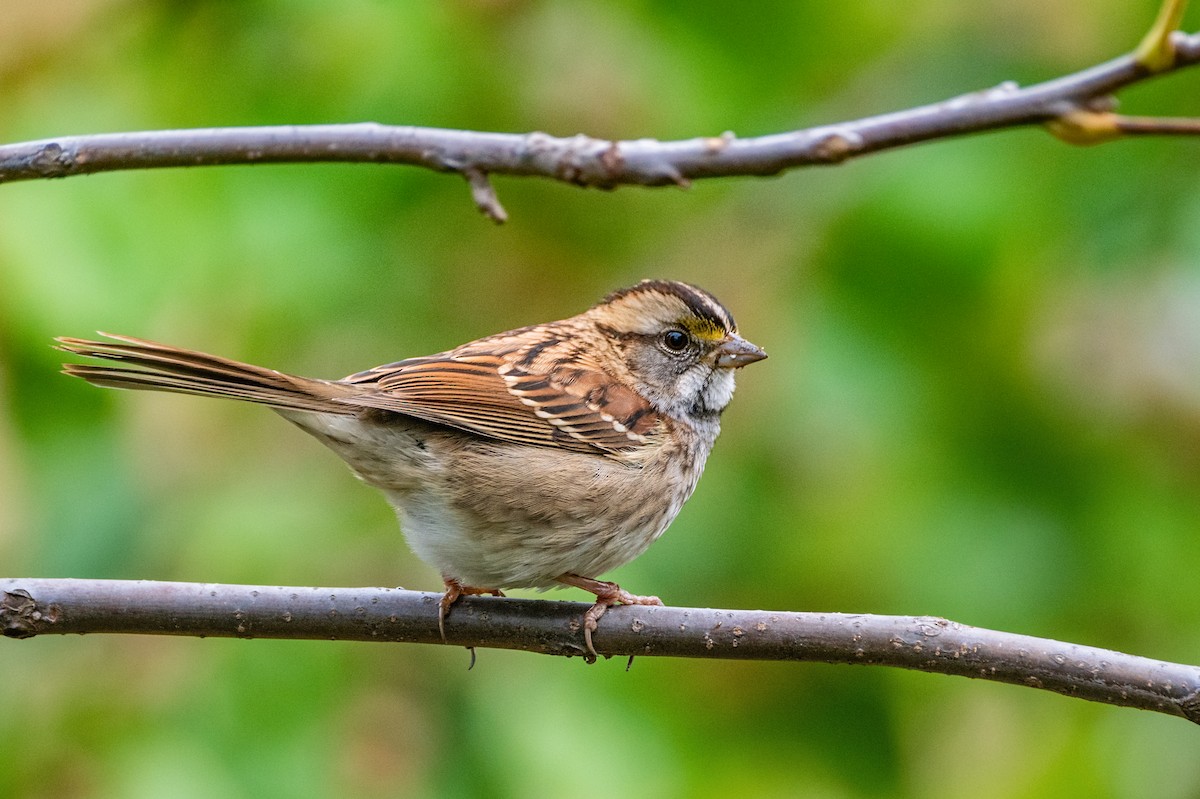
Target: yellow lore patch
703,329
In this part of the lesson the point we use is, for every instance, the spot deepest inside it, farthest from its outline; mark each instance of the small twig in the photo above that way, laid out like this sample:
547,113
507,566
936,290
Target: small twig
1156,51
484,195
1157,126
1087,127
30,607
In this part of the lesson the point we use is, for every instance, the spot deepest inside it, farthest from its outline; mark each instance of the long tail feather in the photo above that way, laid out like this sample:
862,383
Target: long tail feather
160,367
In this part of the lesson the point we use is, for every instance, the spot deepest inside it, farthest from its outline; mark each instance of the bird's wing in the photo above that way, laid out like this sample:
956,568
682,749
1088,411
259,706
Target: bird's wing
496,396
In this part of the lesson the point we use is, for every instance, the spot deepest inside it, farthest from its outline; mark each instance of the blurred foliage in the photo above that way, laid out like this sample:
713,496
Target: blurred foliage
982,402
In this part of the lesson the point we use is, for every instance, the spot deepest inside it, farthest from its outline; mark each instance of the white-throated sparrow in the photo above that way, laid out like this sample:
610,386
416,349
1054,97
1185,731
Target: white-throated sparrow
540,456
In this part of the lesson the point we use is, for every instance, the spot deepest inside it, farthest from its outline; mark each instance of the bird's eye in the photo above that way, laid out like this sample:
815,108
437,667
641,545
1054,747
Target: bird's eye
675,340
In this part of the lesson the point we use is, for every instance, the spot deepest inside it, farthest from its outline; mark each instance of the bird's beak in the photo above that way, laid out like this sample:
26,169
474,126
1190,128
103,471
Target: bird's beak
735,352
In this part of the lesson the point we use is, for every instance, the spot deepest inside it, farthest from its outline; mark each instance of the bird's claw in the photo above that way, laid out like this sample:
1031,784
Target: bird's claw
607,595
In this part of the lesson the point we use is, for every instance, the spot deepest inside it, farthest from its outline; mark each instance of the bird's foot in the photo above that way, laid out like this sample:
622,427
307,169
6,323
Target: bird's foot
607,595
454,590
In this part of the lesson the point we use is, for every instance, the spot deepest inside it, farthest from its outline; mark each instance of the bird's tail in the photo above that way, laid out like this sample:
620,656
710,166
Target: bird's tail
159,367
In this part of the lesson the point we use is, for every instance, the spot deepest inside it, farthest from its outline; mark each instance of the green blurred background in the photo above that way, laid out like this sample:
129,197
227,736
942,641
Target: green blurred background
982,402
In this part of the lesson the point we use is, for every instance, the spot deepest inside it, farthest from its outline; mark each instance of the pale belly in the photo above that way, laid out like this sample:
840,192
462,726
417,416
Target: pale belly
505,516
544,524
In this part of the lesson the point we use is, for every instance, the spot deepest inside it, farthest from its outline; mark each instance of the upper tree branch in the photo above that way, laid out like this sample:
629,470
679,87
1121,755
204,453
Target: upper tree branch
31,607
1083,100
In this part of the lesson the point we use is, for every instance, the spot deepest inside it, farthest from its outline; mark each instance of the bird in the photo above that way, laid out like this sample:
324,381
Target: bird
539,457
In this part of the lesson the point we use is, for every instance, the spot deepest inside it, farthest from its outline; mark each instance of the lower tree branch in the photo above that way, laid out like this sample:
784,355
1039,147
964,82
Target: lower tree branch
30,607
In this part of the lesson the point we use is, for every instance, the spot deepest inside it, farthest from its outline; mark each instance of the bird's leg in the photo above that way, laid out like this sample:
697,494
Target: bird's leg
455,589
607,595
